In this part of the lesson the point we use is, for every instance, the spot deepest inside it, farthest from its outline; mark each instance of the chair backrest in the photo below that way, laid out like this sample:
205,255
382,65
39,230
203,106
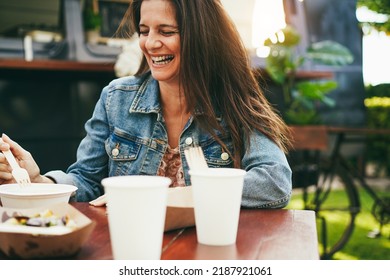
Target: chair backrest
310,138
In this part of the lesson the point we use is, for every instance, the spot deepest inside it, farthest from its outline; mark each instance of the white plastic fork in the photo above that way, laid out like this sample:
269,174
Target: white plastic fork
20,174
195,158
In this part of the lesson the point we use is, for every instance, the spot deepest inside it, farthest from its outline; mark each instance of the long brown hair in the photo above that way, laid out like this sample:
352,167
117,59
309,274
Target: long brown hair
216,75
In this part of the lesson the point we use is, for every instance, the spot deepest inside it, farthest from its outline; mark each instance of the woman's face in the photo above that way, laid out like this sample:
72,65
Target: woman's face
160,39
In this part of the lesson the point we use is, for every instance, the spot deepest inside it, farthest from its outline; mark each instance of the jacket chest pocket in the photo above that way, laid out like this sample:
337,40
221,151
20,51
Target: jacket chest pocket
216,156
123,153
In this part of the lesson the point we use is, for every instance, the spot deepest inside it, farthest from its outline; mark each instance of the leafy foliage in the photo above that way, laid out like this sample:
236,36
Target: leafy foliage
301,97
329,53
91,17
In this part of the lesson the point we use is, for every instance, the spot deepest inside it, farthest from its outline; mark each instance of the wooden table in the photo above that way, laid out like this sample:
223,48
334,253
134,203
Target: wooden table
262,234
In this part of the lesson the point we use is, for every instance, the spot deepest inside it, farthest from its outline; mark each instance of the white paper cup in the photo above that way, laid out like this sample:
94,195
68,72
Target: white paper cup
217,194
136,207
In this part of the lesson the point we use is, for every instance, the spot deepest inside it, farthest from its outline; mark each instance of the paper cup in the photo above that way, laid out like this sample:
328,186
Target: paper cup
136,207
217,194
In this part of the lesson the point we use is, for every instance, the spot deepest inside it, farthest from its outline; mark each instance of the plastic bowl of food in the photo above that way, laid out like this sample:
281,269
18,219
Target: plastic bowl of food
36,195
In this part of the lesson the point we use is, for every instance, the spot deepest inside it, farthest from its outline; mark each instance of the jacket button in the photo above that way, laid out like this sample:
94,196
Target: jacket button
115,152
225,156
188,141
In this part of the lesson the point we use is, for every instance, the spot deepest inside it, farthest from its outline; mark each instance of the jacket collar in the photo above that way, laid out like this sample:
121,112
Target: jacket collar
147,99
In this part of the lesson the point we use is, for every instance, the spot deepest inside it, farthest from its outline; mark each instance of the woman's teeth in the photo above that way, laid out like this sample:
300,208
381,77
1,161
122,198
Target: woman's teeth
160,60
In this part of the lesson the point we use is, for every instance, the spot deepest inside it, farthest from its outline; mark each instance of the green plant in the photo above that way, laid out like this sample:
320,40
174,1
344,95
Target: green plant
91,17
300,98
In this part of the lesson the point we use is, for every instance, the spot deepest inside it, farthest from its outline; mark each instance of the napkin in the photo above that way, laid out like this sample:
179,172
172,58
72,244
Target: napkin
180,208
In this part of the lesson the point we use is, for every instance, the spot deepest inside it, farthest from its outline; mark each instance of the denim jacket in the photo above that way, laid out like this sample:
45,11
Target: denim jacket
126,135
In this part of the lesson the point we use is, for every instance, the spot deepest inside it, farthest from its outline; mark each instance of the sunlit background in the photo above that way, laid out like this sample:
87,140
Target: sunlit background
376,46
257,20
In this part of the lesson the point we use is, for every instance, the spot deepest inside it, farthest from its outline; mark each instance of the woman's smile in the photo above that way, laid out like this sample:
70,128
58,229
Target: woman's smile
162,60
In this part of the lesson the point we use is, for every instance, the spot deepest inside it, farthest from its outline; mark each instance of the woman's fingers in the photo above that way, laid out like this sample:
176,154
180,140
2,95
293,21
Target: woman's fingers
15,148
5,169
23,157
100,201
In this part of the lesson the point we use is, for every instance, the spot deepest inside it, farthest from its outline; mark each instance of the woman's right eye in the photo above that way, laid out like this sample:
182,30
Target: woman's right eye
168,33
143,32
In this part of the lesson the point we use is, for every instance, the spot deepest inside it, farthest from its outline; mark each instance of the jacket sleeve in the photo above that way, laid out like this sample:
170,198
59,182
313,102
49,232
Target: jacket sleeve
268,182
92,160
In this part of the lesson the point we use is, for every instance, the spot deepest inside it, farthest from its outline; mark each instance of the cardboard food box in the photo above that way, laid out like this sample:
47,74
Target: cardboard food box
44,243
180,208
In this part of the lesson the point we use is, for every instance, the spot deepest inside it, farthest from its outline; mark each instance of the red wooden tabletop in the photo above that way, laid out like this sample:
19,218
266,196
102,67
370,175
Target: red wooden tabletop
262,234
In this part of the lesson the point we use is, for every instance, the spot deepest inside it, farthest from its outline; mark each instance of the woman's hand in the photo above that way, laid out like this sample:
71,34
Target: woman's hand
100,201
24,159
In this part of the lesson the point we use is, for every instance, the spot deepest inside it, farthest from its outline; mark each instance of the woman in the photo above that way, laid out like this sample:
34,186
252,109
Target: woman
194,87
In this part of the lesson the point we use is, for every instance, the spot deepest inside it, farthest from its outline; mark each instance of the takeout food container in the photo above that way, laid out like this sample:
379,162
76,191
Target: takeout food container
18,245
180,208
36,195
